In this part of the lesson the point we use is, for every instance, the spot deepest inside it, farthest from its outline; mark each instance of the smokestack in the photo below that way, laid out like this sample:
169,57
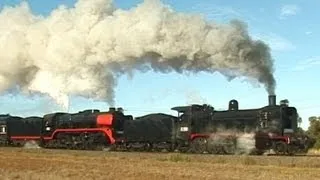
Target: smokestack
272,100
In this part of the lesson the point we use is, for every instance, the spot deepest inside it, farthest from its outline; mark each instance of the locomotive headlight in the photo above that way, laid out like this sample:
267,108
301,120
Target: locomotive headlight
184,129
48,128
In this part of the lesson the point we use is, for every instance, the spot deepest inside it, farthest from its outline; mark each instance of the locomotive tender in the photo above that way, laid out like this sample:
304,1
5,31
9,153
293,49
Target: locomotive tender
196,128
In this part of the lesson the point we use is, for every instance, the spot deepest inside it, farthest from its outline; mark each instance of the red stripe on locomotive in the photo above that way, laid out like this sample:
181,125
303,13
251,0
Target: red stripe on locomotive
106,131
25,137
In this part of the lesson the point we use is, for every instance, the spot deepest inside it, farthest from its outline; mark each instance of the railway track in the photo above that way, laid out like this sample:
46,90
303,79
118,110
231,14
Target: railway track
35,145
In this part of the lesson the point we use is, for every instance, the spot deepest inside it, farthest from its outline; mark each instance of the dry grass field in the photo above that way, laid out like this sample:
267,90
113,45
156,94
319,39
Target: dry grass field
41,164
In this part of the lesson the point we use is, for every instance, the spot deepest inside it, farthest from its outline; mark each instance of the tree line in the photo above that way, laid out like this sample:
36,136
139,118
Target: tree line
313,129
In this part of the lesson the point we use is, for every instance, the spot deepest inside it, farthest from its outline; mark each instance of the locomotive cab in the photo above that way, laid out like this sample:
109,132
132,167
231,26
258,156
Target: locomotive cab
278,119
192,119
119,120
3,128
289,119
3,124
297,142
3,132
50,123
183,122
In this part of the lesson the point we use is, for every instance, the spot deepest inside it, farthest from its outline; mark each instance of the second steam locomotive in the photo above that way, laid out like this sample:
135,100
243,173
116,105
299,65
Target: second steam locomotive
196,129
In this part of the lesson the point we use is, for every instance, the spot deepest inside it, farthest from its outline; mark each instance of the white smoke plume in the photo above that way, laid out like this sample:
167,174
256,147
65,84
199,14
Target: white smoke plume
194,97
246,143
82,50
242,142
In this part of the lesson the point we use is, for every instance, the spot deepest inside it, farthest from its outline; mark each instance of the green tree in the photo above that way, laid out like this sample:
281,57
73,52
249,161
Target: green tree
314,129
299,129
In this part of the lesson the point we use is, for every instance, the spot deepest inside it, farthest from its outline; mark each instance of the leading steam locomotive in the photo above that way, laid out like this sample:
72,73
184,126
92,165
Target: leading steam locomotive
196,129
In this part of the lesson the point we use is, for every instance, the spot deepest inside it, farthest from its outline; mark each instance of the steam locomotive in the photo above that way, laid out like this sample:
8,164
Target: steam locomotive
195,129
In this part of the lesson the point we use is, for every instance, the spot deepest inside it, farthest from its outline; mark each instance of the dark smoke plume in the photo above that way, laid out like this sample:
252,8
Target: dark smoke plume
82,50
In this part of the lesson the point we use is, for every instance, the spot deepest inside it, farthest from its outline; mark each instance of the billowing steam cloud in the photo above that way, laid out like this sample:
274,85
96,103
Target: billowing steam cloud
82,50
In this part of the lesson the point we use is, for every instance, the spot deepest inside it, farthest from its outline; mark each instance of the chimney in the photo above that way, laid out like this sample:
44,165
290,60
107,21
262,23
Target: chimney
120,109
272,100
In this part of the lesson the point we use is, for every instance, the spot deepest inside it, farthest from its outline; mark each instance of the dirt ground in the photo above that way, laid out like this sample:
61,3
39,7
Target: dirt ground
16,163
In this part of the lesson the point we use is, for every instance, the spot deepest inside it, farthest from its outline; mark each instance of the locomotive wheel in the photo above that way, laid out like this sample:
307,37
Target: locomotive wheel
181,148
215,149
257,152
280,148
229,148
87,141
292,150
199,145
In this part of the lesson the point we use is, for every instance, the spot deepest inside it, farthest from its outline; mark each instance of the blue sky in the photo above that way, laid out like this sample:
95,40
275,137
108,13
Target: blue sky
289,27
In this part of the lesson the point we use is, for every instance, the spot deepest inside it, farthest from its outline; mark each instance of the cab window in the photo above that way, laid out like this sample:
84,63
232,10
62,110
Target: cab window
3,129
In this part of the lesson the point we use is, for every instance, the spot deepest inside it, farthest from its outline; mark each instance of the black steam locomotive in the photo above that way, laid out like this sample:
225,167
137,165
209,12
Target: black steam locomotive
196,129
200,128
